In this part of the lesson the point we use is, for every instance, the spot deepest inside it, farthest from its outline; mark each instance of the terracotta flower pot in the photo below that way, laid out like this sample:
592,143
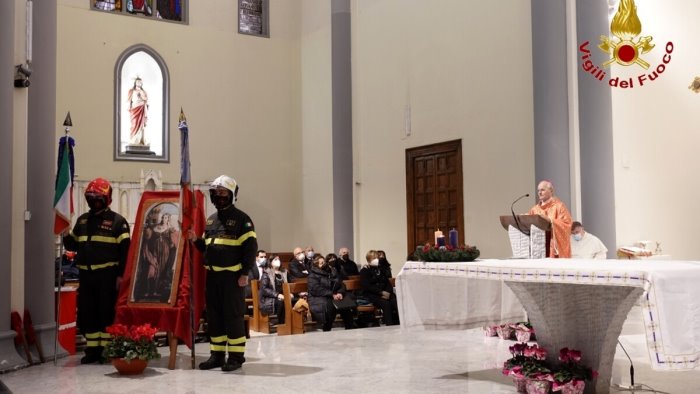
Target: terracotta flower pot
133,367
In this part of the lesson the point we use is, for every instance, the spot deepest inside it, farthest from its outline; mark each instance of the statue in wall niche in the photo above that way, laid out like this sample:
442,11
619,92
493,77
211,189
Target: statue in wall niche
138,111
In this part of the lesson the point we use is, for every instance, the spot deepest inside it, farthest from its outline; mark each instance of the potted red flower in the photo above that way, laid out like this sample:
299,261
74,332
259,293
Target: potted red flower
526,365
131,347
523,331
571,376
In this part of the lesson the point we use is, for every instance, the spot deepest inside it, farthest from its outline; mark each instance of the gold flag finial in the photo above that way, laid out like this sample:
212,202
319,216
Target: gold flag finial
182,116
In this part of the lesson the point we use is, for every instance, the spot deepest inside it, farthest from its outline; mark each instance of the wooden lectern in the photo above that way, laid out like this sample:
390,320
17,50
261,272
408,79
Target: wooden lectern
525,223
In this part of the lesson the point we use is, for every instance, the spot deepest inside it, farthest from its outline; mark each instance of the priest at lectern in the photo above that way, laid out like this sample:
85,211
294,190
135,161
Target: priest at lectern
555,211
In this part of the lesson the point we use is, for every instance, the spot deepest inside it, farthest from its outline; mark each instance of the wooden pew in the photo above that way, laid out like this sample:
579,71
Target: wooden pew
352,285
260,321
294,321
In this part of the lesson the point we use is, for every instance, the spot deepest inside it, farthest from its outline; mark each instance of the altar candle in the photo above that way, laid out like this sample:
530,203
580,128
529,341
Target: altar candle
438,234
453,238
441,241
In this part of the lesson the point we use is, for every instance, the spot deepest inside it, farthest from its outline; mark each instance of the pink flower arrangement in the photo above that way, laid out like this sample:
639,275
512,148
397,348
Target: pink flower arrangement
567,355
536,352
490,331
527,362
571,375
504,331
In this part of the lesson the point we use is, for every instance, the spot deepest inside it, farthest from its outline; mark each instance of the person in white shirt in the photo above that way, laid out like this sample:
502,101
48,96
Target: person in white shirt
585,245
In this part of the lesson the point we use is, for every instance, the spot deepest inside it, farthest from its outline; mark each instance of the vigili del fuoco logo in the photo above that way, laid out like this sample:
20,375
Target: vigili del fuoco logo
626,48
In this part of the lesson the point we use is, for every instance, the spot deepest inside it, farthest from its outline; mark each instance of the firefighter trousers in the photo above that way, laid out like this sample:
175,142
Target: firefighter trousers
226,314
97,296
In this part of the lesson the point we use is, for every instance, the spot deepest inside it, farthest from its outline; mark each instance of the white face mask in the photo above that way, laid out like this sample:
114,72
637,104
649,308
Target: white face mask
300,256
262,260
310,255
374,263
276,263
578,237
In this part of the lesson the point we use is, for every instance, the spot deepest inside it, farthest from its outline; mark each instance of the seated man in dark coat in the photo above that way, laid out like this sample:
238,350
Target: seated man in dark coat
349,266
297,267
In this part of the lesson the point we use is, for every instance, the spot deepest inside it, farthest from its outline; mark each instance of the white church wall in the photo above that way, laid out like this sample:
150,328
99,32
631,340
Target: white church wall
656,135
240,94
464,68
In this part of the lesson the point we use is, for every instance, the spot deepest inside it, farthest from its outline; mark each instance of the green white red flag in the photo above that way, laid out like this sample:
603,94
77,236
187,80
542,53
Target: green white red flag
63,195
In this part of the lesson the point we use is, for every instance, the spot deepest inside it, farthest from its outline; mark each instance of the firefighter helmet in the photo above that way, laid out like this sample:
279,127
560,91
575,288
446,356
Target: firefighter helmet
99,187
227,183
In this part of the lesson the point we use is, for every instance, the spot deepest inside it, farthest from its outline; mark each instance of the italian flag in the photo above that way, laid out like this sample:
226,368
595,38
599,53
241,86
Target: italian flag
63,196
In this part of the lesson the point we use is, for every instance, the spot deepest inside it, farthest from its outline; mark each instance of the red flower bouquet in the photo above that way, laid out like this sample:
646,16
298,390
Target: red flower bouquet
571,375
129,343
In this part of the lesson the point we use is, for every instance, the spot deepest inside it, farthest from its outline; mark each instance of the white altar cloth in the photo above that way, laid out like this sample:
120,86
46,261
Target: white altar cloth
670,304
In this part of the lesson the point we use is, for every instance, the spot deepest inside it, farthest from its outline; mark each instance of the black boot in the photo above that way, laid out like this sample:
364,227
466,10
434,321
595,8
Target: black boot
215,360
92,355
232,364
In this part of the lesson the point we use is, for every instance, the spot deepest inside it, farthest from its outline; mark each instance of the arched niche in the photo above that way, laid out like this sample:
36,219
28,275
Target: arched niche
141,91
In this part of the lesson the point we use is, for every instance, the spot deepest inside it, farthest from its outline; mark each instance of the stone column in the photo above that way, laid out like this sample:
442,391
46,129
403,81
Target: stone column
342,125
550,96
9,359
41,174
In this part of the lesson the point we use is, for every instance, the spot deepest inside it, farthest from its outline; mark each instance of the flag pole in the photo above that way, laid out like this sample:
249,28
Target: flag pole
67,124
193,327
185,170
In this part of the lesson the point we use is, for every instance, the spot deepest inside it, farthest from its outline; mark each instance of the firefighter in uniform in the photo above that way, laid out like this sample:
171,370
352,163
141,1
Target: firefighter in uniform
229,247
101,238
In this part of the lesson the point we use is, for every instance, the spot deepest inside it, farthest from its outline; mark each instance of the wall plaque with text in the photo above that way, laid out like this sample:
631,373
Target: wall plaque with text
253,17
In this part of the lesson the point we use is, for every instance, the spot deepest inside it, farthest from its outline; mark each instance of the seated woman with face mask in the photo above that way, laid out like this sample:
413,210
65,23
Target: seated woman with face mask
377,288
270,293
324,288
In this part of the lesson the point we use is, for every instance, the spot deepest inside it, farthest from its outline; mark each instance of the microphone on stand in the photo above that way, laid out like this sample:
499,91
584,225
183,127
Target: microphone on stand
632,386
515,217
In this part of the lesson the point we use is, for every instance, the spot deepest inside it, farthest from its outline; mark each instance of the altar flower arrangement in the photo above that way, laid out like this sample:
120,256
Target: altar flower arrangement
571,375
491,330
447,253
505,331
130,343
531,374
528,368
513,366
523,331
